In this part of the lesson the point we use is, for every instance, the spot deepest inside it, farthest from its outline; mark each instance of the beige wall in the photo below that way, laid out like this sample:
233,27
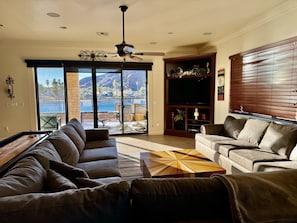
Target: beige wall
19,114
272,27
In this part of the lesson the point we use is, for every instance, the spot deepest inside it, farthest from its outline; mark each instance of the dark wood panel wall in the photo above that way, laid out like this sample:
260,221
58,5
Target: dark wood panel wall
264,81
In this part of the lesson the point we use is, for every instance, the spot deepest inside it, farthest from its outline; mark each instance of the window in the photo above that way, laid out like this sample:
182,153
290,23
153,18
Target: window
51,98
105,95
264,81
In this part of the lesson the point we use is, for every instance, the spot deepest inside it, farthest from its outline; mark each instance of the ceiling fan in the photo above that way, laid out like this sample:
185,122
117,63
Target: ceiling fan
127,50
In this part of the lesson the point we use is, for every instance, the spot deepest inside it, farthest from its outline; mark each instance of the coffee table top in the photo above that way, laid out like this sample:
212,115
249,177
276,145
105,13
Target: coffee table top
178,163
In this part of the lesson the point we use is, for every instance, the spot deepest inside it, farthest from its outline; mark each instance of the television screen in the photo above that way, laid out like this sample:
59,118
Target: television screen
189,91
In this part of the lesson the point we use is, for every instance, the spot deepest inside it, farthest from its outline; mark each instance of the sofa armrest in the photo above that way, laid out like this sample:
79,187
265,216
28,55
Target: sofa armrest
97,134
99,204
212,129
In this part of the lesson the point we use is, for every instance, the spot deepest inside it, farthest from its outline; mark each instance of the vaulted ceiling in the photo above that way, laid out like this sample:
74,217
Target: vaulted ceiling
154,25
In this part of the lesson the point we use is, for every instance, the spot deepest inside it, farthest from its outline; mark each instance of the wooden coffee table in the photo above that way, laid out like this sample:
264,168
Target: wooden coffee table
178,163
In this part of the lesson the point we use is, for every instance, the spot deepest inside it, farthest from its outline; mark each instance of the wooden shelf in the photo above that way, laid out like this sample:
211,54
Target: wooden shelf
186,92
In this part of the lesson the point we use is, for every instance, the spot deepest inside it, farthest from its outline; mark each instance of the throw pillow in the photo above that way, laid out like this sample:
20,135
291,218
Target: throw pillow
55,182
253,131
82,182
279,139
68,171
233,126
65,147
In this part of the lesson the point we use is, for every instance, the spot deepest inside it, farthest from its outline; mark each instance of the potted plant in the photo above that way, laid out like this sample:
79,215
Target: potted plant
179,119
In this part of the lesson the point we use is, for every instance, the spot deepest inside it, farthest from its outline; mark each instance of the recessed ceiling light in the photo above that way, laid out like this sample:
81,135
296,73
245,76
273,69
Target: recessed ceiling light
53,14
102,33
207,33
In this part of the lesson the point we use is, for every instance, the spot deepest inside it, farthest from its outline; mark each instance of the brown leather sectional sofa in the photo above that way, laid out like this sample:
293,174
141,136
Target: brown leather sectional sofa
73,176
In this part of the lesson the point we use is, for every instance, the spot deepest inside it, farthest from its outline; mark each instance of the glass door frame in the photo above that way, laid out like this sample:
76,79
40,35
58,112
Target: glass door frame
72,65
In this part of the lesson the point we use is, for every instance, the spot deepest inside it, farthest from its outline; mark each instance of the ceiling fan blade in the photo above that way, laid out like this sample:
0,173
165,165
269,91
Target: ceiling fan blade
136,58
150,54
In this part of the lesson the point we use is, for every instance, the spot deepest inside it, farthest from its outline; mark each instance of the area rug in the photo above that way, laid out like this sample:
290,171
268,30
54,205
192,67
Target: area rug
129,167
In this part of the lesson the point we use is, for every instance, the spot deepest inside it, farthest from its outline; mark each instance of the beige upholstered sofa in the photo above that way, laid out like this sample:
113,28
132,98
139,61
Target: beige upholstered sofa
249,144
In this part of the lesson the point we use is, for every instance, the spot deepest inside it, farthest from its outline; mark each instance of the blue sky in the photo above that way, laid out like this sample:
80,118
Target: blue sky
51,73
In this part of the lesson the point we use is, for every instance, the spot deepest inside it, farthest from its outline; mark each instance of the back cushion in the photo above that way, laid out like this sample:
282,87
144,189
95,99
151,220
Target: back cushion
279,139
79,128
65,147
253,131
233,126
26,176
47,150
70,131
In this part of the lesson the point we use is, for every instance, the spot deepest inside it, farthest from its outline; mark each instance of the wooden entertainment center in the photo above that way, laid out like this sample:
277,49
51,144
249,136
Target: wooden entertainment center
189,94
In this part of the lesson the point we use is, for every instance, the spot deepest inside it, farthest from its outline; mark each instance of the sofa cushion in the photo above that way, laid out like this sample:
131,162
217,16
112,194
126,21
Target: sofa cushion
56,182
226,146
65,147
100,143
47,150
26,176
274,165
211,140
67,171
99,204
79,128
253,130
101,168
98,154
279,138
70,131
97,134
247,157
233,126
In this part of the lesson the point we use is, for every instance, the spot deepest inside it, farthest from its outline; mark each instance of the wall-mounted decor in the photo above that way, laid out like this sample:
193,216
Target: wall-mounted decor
221,84
10,82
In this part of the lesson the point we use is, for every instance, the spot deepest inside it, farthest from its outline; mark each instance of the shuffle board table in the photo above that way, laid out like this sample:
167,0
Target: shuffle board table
15,147
178,163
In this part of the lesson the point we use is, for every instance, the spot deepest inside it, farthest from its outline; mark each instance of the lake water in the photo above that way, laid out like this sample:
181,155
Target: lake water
85,106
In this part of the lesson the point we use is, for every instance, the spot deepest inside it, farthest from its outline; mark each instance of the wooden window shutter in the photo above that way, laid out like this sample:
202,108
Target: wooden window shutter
264,80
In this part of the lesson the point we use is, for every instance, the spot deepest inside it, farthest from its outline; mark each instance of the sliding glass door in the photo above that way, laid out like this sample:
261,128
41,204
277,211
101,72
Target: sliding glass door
100,98
50,89
121,100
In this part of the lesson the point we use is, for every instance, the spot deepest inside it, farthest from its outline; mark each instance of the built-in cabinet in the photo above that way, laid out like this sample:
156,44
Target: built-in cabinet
189,94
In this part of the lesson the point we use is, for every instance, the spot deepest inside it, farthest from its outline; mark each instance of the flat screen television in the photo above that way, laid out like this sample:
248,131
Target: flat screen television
189,91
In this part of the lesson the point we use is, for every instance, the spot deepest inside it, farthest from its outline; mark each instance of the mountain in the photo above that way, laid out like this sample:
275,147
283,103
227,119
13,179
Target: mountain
134,80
